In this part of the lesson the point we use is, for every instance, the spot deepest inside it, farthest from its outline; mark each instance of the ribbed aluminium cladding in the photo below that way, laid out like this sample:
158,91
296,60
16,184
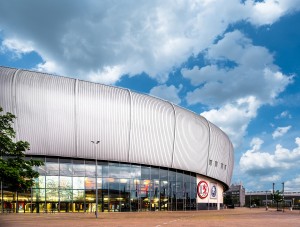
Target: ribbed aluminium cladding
60,116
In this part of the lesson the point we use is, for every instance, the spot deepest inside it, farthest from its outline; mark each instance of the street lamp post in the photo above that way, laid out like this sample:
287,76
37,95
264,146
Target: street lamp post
273,194
266,200
283,197
96,143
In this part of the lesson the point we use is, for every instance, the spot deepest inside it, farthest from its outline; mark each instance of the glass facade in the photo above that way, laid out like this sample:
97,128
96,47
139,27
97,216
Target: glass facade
69,185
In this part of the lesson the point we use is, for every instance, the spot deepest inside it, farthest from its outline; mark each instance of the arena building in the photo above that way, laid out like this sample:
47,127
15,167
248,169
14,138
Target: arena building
131,151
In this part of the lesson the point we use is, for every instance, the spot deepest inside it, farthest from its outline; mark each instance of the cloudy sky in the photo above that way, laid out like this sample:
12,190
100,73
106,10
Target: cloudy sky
236,62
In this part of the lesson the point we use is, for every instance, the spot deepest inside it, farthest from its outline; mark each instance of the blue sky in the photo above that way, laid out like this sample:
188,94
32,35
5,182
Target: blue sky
237,63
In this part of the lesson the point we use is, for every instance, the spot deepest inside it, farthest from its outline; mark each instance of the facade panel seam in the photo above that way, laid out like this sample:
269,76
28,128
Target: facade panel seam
208,148
174,136
75,116
14,102
130,122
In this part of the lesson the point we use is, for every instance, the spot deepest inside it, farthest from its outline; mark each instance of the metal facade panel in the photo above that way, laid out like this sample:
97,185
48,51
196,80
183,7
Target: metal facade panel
45,111
103,114
6,89
60,116
191,142
230,164
152,127
218,153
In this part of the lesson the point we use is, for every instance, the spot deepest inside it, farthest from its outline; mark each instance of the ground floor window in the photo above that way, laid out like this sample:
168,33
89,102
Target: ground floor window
70,185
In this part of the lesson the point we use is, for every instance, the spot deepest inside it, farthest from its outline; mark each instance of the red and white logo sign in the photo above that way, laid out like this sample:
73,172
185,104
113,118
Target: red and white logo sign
202,189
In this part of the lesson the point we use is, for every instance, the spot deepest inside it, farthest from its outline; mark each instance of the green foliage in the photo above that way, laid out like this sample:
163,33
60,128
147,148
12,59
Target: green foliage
15,171
277,197
228,200
255,201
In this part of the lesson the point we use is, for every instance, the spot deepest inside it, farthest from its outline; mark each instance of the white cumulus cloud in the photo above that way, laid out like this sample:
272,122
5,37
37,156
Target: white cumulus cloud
293,185
233,118
103,40
220,85
169,93
280,131
235,93
257,162
272,178
268,11
284,114
17,47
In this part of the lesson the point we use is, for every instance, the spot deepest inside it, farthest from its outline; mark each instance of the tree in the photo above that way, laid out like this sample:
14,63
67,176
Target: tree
277,197
16,173
255,202
228,200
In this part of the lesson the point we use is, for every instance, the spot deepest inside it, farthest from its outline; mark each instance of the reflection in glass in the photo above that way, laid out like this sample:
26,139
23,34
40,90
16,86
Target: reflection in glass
66,169
114,170
78,168
52,168
145,172
90,170
78,182
164,185
125,171
38,195
39,182
99,171
104,169
78,195
135,171
90,183
52,194
65,182
68,185
65,195
52,182
154,173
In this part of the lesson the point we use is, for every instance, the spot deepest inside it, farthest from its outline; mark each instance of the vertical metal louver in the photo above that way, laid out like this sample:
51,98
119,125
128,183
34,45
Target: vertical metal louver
103,114
152,130
6,89
230,164
45,111
191,141
218,153
61,116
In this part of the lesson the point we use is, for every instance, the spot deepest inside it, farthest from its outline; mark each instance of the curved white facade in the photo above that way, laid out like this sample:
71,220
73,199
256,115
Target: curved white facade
60,116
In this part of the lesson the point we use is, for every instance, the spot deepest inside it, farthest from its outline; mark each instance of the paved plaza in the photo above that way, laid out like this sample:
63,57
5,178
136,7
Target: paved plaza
232,217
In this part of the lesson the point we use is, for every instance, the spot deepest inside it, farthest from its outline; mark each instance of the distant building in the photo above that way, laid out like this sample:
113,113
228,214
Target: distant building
260,198
235,195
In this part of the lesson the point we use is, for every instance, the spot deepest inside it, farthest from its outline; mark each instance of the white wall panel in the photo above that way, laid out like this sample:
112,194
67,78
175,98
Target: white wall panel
230,164
103,114
218,153
60,117
6,89
45,111
152,127
191,141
